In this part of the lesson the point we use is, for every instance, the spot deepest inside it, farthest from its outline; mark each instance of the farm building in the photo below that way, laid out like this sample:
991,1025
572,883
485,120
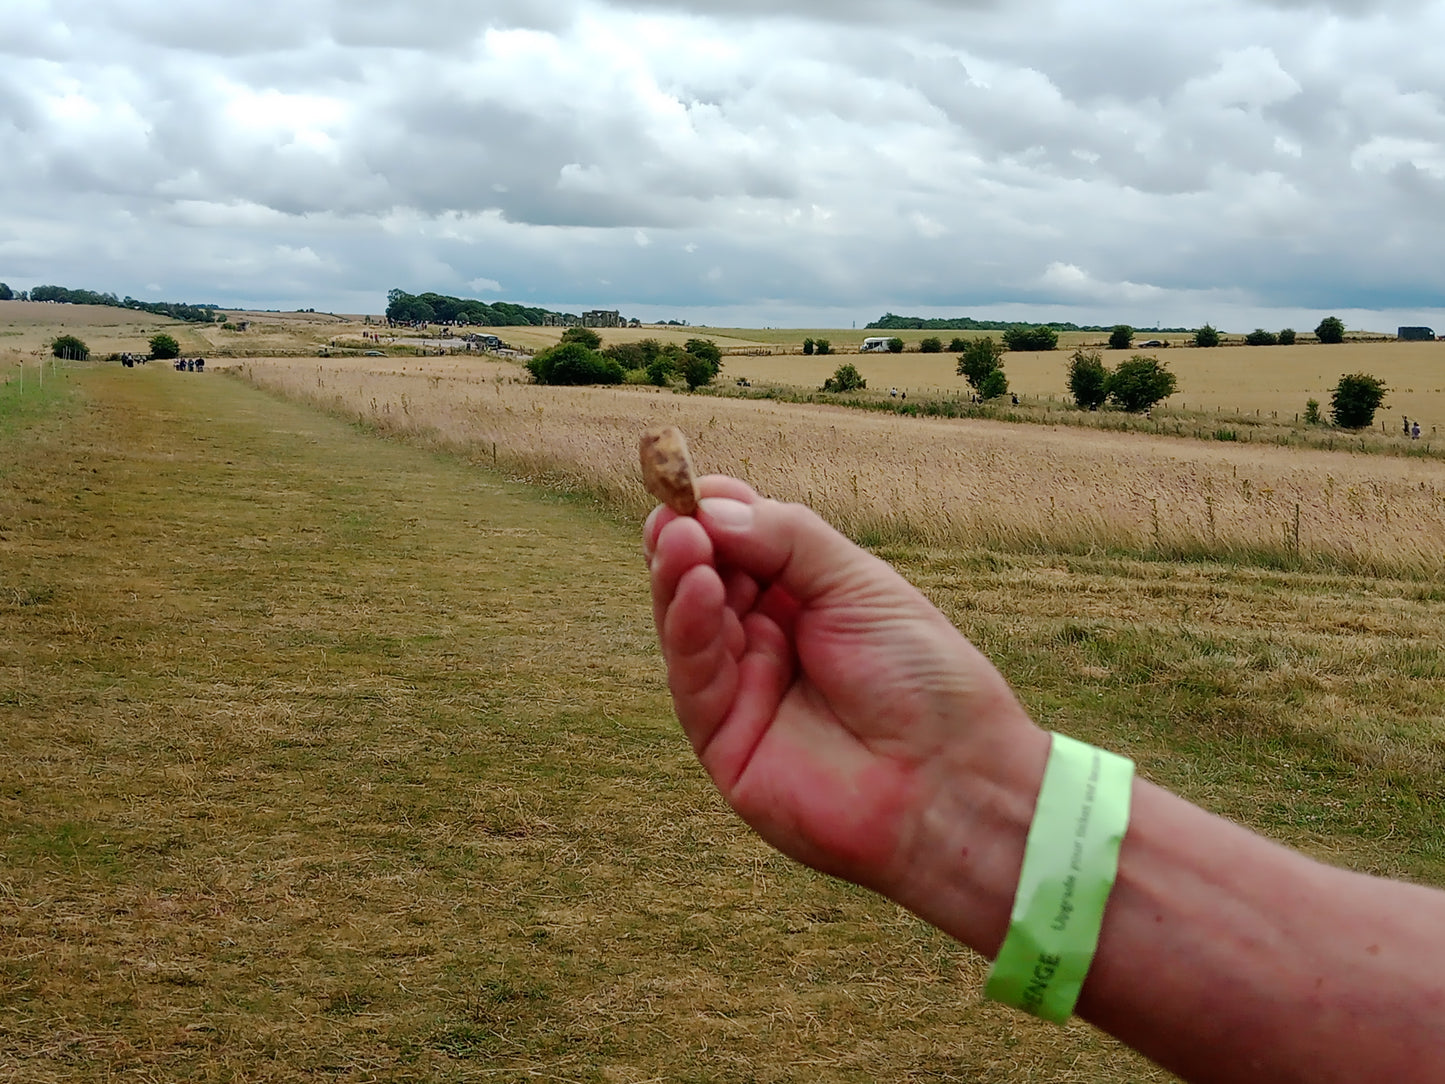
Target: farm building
1416,334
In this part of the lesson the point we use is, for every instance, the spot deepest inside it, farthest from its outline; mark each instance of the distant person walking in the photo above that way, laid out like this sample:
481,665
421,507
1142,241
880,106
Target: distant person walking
1415,430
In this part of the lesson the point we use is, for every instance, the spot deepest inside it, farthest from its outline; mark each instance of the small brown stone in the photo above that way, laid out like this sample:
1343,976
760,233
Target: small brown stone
667,470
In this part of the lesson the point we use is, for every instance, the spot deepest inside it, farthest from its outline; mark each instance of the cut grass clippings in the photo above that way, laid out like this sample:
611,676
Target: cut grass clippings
328,757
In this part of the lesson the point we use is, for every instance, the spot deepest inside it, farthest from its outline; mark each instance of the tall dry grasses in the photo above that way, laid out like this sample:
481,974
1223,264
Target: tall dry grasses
883,478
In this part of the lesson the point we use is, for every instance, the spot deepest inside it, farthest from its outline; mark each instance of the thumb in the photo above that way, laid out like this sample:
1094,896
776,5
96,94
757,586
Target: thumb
789,545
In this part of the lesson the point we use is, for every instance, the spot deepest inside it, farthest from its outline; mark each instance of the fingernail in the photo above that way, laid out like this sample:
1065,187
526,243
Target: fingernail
648,533
726,513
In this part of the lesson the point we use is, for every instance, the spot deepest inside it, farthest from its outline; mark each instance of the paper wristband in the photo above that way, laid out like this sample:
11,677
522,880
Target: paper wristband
1069,866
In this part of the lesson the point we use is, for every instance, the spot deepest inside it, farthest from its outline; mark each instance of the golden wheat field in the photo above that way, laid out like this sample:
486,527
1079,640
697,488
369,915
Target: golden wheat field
1275,381
28,327
882,477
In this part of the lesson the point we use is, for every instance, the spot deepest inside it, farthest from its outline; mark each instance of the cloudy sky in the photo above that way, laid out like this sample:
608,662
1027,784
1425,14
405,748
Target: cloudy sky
758,162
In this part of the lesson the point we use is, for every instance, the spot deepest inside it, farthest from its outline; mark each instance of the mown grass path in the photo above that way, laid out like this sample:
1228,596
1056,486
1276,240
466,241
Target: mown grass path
327,757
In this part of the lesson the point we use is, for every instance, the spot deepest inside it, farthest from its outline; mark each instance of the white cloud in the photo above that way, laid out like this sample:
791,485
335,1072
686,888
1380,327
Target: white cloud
1236,155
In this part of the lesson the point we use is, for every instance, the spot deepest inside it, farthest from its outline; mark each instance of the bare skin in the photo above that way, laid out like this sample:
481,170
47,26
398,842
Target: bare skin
856,730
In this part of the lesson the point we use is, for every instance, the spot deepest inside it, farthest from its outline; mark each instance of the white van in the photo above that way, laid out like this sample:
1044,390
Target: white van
874,346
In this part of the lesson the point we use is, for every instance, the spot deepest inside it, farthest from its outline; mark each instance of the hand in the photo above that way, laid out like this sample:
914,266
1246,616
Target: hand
835,708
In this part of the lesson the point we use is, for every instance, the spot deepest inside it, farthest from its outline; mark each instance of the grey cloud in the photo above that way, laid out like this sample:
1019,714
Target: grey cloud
945,153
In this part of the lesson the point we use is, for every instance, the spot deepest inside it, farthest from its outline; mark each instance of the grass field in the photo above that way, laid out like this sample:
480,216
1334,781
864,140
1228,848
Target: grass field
1023,488
330,756
1265,381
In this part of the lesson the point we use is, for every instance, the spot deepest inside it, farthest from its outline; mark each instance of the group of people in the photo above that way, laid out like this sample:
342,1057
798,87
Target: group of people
190,365
1412,429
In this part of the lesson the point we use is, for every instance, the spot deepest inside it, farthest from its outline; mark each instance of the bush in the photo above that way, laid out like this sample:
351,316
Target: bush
1286,337
1331,330
1139,383
164,346
1260,337
697,371
573,363
808,347
1088,379
1355,400
1121,338
659,371
630,356
1312,413
930,345
823,346
708,351
957,345
845,378
994,385
584,335
1206,336
980,357
70,348
895,346
1031,338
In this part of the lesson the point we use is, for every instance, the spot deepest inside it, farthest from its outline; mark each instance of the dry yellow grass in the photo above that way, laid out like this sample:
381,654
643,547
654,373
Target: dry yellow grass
28,327
1271,380
882,477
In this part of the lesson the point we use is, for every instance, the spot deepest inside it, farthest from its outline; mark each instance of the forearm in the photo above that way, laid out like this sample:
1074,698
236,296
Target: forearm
1222,956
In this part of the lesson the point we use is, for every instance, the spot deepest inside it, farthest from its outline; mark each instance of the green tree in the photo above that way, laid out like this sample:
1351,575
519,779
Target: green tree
1312,412
1031,338
1356,398
164,346
808,346
957,345
1121,338
1206,336
708,351
823,346
6,294
1088,379
697,371
845,378
979,358
1331,330
631,356
1286,337
70,348
895,345
1260,337
1137,384
994,385
584,335
931,345
573,363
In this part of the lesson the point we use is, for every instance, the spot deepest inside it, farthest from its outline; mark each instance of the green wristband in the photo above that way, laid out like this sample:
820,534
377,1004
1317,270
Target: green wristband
1069,866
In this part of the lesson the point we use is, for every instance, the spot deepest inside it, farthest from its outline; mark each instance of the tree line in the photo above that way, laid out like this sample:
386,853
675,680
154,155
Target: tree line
429,308
892,322
580,358
174,310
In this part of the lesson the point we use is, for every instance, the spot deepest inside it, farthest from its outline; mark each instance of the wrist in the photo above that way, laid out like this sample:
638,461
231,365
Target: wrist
964,859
